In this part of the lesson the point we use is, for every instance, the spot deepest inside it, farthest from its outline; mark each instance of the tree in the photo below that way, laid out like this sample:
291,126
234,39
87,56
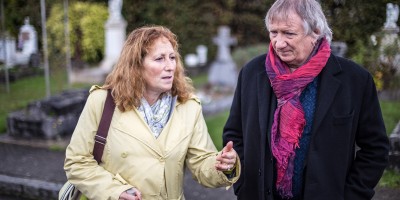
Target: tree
353,20
86,22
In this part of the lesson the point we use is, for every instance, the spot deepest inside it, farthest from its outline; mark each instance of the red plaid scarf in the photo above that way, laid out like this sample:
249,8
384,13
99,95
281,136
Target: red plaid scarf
289,120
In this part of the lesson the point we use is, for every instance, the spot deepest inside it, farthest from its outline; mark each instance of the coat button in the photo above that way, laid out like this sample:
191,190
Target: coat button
268,192
124,155
161,159
259,172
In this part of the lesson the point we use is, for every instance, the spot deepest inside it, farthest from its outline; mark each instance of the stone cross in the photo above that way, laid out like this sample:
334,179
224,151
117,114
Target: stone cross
224,41
223,69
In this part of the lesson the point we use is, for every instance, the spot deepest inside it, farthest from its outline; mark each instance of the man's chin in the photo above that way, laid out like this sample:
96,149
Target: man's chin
286,59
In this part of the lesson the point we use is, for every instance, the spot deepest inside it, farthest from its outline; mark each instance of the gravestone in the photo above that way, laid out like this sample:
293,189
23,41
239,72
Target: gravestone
115,35
25,52
50,118
199,59
196,63
394,153
7,51
217,95
223,70
201,51
191,60
390,35
392,15
339,48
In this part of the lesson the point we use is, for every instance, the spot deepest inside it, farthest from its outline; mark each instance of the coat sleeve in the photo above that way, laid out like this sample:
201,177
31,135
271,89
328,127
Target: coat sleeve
80,166
201,157
372,156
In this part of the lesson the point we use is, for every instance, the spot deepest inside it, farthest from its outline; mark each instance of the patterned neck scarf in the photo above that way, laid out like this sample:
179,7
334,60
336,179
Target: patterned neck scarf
156,115
289,118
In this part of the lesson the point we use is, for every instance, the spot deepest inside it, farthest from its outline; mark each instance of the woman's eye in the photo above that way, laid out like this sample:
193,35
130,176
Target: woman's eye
159,59
172,57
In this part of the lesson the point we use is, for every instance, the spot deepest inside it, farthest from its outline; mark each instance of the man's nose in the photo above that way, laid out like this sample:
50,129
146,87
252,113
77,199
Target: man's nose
280,42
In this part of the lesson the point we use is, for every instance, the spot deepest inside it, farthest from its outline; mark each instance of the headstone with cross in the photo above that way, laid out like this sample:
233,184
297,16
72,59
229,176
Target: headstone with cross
223,69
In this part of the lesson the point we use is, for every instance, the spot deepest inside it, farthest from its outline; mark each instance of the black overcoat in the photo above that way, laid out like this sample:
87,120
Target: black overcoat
349,147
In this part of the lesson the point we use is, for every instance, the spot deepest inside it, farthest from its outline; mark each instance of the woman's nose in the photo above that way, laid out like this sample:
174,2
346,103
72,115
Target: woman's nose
169,65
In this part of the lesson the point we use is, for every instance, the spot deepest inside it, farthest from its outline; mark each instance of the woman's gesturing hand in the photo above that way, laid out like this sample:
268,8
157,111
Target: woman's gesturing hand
131,194
226,160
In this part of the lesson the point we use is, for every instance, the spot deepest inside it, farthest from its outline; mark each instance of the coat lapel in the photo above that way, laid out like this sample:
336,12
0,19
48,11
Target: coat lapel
132,124
266,103
329,85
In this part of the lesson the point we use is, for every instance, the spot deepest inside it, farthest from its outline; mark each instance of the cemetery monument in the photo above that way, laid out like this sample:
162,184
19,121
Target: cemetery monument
223,70
217,95
115,35
390,34
23,53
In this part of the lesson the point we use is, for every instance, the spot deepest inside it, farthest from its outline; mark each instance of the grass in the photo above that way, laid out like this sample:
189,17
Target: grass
215,125
391,114
29,89
390,179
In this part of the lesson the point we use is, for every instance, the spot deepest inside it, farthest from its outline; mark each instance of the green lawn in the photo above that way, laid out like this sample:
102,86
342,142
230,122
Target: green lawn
391,114
215,125
30,89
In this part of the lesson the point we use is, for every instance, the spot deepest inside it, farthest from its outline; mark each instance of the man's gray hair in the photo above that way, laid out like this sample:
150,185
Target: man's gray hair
310,12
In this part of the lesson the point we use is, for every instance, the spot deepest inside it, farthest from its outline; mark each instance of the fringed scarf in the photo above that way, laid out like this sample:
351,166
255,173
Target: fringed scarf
289,120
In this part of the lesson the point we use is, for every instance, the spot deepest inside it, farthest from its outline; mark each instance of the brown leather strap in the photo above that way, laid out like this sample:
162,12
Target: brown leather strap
101,135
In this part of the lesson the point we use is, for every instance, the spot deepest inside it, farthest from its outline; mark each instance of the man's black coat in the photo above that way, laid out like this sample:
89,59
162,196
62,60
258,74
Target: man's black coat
349,147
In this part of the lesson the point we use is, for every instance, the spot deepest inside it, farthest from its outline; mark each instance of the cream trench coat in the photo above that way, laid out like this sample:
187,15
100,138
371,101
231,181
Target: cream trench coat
133,157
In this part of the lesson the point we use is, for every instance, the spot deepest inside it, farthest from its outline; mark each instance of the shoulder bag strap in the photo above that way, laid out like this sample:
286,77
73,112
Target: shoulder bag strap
101,135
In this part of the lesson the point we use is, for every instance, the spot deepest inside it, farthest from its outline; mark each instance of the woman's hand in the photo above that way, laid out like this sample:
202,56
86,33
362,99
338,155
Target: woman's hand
227,159
131,194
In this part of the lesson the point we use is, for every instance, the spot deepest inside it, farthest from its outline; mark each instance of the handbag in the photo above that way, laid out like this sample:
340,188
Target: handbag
69,191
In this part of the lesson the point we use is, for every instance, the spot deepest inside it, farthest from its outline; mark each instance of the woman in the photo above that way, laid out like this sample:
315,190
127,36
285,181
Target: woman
157,128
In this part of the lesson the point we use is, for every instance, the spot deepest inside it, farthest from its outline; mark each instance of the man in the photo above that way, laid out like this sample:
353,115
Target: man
305,123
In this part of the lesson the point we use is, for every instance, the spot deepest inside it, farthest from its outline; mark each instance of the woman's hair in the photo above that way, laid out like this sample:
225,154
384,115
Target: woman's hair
310,12
126,79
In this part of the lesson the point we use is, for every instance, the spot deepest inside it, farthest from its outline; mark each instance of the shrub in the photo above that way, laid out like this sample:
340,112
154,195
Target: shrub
86,24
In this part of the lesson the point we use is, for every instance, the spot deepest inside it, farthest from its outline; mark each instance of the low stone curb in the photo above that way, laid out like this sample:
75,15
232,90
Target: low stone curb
28,188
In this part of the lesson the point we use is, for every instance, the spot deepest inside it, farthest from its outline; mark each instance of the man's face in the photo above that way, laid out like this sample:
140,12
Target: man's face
289,40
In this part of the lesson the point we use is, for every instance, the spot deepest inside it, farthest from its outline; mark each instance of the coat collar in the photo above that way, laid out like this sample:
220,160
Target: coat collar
133,124
328,87
267,104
